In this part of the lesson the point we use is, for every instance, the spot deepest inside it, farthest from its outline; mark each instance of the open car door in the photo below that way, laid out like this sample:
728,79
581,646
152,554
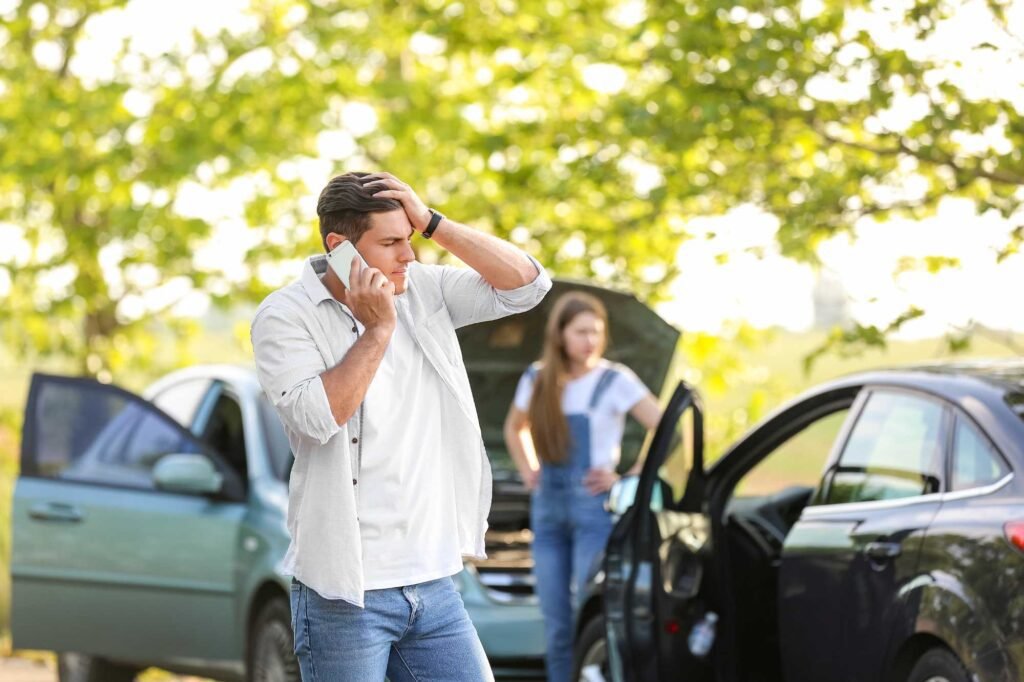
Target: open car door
656,556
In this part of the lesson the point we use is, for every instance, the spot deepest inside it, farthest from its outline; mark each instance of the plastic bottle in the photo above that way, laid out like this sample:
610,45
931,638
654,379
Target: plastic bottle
702,636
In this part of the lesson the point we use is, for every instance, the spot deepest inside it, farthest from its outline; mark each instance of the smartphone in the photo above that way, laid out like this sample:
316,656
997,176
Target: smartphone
340,260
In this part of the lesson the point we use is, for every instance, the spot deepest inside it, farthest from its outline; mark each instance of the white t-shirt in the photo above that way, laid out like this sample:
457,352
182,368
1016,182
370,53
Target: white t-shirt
608,418
407,517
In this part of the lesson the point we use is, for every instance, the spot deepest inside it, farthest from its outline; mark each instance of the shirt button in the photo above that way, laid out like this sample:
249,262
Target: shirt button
355,440
355,482
353,329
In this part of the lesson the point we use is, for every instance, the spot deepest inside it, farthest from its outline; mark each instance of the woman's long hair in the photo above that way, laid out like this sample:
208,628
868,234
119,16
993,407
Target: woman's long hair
548,425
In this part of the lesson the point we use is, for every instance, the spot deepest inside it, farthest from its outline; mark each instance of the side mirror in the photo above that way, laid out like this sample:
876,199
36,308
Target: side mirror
623,494
193,474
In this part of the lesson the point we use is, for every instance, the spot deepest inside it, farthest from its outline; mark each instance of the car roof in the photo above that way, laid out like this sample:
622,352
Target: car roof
241,377
953,380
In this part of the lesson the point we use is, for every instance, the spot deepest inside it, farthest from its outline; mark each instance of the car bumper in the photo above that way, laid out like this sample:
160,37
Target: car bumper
511,628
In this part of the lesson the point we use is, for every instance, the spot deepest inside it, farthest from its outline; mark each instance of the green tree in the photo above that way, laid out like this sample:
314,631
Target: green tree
589,132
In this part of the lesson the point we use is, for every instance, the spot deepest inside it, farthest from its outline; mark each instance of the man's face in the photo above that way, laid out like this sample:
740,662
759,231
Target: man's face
387,247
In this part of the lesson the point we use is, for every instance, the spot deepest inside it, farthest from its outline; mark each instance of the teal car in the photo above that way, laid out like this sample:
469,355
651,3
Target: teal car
149,530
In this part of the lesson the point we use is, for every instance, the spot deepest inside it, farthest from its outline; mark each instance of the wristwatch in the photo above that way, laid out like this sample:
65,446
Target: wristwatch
435,220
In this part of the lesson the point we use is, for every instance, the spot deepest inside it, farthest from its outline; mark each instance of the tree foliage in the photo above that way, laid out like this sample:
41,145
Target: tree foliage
590,132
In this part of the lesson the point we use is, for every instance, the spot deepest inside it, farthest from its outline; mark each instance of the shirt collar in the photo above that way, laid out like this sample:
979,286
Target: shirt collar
311,282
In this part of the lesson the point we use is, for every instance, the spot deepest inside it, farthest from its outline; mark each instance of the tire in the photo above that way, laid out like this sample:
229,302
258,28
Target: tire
81,668
271,652
591,649
939,665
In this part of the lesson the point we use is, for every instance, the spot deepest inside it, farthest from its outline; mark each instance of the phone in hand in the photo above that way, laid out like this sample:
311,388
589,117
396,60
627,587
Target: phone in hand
340,260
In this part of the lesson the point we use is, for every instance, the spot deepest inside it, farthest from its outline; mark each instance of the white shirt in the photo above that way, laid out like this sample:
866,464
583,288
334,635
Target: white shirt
407,513
607,418
300,331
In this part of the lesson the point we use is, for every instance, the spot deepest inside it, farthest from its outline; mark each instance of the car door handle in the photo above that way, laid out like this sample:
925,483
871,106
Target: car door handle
881,551
55,511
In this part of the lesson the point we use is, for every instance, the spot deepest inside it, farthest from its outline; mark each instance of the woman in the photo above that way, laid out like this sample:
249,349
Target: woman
564,432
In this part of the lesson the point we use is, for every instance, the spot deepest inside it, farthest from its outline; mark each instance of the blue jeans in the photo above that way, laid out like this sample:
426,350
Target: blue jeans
570,529
411,634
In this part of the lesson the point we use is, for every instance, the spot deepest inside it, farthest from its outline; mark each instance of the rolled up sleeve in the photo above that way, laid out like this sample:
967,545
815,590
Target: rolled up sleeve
471,299
289,366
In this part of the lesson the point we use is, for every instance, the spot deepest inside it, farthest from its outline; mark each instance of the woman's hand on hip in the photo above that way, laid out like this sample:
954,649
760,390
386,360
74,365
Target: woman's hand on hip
530,479
598,481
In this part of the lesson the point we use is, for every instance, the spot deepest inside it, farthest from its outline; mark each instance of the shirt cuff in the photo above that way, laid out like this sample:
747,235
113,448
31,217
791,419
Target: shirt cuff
528,295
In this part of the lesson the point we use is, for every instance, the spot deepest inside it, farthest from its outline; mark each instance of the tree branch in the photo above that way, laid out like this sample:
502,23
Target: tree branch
70,37
902,148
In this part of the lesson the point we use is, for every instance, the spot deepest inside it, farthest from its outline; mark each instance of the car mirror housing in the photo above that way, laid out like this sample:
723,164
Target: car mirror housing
623,494
187,473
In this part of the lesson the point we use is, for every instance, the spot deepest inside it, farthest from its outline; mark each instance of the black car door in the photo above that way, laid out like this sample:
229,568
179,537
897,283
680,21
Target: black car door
655,558
858,542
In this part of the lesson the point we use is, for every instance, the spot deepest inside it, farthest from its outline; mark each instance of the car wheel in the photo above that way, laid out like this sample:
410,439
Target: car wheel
939,665
591,664
271,652
82,668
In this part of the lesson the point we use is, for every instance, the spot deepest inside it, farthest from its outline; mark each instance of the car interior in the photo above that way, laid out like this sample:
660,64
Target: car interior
764,506
756,528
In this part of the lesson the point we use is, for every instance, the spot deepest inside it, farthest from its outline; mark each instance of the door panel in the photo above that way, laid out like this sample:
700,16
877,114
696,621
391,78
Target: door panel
655,559
102,562
857,546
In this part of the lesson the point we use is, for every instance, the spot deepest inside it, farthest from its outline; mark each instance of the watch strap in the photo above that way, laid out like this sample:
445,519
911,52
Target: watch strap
435,220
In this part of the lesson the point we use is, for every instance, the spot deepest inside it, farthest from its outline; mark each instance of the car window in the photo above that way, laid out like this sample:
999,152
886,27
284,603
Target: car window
800,461
182,400
91,432
894,451
675,470
278,448
975,462
224,431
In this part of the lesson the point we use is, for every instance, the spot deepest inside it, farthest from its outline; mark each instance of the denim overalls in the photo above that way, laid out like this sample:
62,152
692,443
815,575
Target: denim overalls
570,528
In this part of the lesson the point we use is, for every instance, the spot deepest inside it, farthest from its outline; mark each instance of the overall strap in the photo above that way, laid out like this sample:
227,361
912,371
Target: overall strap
605,381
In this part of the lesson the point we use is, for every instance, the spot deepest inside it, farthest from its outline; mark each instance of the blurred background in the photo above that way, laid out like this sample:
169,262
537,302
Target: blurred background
804,188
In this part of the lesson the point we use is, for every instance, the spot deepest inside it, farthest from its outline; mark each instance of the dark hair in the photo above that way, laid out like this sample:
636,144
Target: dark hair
344,207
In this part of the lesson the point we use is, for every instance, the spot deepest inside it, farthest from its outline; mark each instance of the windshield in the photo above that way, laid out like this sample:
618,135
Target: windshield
277,441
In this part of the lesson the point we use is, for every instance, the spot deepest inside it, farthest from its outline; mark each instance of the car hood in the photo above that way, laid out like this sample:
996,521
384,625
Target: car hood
496,354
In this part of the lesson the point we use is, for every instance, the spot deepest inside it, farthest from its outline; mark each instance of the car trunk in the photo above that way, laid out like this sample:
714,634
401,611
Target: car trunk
496,354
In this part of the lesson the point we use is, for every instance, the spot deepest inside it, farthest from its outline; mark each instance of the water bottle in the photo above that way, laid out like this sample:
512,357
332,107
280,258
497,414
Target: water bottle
702,636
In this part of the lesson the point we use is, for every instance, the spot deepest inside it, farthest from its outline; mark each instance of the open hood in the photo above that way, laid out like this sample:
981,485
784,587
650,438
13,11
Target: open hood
496,354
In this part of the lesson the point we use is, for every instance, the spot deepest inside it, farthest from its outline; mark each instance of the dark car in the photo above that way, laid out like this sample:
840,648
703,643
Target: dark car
871,530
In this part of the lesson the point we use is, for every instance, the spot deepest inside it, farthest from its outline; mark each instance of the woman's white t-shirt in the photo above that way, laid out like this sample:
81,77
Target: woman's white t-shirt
607,418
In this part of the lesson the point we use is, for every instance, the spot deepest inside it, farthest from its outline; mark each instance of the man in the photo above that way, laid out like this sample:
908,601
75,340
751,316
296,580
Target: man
391,486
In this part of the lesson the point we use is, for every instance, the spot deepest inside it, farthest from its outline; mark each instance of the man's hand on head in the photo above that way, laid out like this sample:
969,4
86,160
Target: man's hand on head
387,186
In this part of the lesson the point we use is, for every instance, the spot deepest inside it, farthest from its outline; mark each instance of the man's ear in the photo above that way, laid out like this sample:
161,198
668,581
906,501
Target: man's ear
334,239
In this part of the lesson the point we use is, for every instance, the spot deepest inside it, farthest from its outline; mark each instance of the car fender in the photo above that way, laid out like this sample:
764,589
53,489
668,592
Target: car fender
939,605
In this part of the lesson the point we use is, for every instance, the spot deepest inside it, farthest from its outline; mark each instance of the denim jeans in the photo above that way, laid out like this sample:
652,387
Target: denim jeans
570,528
411,634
